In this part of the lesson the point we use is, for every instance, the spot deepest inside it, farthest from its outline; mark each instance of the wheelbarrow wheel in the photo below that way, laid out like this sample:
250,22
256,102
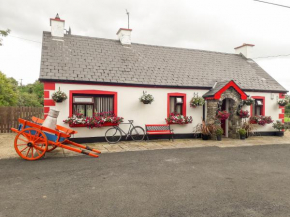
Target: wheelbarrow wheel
30,144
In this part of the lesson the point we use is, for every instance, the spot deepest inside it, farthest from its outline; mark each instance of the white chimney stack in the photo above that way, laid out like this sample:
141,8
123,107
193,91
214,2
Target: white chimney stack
124,36
245,49
57,26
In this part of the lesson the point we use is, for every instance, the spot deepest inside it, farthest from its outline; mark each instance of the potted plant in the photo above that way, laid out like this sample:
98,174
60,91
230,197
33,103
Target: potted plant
205,129
280,127
223,115
283,102
249,101
249,128
146,98
59,96
242,133
219,132
176,118
243,113
196,101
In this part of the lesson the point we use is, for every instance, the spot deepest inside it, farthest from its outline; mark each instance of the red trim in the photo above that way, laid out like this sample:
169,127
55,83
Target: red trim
49,85
264,104
46,94
184,102
281,95
49,102
281,116
283,121
281,107
45,115
123,29
283,111
227,86
252,45
46,109
93,92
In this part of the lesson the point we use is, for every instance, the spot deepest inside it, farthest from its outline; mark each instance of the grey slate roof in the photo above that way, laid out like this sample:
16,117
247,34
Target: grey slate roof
88,59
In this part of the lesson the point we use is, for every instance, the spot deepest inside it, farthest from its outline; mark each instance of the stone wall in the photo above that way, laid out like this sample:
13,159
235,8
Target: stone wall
234,121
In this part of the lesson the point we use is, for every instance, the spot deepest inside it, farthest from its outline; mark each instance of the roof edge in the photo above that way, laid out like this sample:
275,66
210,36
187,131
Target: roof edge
150,85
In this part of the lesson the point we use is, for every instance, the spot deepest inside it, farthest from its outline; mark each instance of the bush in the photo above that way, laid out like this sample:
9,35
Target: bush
242,132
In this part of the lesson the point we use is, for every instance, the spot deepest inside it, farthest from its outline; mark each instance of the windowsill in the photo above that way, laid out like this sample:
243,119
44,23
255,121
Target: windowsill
177,123
83,125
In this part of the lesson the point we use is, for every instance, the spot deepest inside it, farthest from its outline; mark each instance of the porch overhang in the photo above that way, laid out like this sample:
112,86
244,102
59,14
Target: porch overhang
220,87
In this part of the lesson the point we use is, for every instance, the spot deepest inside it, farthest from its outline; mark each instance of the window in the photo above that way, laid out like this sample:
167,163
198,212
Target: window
176,103
258,108
88,102
88,105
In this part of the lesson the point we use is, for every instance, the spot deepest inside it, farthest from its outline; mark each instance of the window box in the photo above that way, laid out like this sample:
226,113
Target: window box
84,125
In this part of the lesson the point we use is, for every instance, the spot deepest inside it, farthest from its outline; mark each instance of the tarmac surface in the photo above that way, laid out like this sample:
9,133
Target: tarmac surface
210,181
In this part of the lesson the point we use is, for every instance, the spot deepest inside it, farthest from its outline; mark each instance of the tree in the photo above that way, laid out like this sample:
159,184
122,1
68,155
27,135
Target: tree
8,92
28,99
3,33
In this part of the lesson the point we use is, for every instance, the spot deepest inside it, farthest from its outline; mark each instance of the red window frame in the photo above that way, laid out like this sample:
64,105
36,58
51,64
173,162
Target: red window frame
176,95
264,105
92,92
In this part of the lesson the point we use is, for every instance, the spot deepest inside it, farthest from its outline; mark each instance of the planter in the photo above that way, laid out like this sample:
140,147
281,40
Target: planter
84,125
242,137
219,137
146,102
205,137
280,133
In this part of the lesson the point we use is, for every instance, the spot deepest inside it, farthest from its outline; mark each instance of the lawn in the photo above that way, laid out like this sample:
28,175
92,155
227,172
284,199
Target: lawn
287,119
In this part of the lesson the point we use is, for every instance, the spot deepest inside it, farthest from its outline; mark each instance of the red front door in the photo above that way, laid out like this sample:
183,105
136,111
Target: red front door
223,122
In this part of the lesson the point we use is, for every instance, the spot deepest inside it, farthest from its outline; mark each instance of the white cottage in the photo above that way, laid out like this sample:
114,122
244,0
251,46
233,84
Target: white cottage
101,75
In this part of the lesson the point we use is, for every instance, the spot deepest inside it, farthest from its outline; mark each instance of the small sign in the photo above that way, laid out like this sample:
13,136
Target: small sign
83,100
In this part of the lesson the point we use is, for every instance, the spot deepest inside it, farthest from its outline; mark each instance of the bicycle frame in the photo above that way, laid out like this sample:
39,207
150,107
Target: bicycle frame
123,132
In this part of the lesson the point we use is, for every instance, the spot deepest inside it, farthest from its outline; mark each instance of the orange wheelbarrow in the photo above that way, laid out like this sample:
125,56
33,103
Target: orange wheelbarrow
33,140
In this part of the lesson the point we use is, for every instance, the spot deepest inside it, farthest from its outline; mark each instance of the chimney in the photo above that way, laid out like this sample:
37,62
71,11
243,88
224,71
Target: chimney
57,26
245,49
124,36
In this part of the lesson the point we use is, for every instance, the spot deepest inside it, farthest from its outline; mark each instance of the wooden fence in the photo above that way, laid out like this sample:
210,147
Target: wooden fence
9,116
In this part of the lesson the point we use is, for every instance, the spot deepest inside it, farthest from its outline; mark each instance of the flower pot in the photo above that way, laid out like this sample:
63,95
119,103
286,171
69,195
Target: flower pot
205,137
146,102
219,137
58,101
280,133
242,137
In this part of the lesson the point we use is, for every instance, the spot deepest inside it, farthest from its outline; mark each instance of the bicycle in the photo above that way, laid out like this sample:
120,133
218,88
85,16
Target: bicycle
113,135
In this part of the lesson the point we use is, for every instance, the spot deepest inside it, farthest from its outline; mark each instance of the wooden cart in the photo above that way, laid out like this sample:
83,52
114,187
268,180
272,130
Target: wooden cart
33,140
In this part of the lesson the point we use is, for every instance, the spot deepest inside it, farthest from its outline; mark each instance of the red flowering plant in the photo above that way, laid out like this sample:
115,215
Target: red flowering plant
98,119
223,115
176,118
261,120
243,113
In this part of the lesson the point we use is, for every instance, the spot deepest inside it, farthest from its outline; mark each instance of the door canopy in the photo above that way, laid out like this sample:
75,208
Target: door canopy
220,87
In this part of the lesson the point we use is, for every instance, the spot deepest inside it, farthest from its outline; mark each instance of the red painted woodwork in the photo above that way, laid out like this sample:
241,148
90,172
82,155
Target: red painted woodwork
49,102
281,95
264,105
46,94
283,111
281,116
92,92
46,109
184,102
49,85
281,107
227,86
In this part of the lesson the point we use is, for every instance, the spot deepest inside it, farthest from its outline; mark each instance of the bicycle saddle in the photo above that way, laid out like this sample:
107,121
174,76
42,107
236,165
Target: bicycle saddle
130,121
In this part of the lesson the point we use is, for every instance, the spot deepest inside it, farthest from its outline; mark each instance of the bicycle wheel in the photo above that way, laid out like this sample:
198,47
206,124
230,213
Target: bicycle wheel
137,133
113,135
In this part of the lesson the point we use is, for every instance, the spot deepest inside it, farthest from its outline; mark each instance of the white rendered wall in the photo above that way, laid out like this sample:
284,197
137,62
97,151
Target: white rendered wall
131,108
57,28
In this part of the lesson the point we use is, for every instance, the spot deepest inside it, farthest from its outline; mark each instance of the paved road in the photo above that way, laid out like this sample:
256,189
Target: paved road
248,181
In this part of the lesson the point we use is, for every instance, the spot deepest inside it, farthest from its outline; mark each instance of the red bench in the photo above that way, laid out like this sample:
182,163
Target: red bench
158,129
